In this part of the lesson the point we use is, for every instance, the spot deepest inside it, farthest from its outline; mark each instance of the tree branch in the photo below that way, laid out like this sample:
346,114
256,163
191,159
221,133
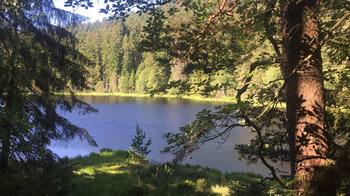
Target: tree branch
213,17
252,67
261,156
335,26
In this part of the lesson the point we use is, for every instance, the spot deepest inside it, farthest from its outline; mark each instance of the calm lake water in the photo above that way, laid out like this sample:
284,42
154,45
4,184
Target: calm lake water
115,124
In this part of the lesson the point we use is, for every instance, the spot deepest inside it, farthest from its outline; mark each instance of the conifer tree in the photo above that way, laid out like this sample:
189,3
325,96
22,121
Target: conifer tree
38,60
140,148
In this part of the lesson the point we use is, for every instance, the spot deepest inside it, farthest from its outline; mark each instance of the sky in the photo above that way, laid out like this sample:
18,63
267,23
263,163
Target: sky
92,13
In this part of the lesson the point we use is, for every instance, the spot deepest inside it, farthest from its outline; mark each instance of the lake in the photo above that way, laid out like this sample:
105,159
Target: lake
115,125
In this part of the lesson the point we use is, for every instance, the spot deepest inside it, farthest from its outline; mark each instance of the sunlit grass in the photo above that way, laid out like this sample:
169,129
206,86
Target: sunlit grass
192,97
113,169
114,173
86,171
107,161
280,105
220,190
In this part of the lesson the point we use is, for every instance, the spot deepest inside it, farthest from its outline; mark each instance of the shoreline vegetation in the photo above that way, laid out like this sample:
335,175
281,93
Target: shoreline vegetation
230,100
192,97
226,100
111,172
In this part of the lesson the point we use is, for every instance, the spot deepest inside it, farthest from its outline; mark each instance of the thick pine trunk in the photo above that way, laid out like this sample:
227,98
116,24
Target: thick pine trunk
302,62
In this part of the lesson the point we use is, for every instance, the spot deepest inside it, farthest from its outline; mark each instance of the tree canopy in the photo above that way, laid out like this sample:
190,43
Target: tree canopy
298,115
38,61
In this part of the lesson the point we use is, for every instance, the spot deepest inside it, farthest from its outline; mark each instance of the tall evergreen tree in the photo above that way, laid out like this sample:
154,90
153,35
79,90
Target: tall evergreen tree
38,60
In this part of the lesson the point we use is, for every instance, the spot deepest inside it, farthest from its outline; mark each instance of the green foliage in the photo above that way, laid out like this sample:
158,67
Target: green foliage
139,149
132,81
150,75
116,50
47,177
123,82
258,83
139,146
99,86
112,51
111,173
39,60
244,42
197,80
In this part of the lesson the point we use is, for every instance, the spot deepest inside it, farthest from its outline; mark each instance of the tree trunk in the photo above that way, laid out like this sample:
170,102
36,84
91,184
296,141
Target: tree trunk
5,142
6,128
301,58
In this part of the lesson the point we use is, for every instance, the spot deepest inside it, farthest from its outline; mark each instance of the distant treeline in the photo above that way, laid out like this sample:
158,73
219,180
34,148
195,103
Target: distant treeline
117,64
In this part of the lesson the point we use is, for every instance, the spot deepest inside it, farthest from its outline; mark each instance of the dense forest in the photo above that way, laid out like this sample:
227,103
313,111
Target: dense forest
275,59
119,63
284,63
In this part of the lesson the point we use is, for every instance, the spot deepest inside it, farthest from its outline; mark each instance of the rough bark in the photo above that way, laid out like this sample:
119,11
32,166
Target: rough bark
177,70
302,63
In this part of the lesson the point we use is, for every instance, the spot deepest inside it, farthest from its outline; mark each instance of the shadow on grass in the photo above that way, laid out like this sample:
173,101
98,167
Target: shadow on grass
114,173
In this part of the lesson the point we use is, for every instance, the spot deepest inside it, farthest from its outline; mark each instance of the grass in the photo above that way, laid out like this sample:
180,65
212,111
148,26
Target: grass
114,173
192,97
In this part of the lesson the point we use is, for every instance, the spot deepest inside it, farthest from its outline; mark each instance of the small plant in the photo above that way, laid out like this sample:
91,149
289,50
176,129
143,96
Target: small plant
166,174
139,150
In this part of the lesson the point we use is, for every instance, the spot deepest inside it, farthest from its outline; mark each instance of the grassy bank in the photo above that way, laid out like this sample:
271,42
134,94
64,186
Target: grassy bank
193,97
114,173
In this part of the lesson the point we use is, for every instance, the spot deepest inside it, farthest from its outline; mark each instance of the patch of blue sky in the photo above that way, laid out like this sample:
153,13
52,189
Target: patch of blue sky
92,13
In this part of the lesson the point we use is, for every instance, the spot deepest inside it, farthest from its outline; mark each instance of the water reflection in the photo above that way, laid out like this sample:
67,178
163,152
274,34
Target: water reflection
145,100
114,126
